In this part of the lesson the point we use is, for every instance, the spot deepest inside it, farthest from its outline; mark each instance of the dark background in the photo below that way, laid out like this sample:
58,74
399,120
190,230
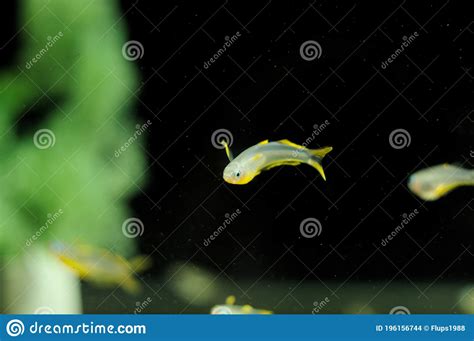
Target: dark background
427,90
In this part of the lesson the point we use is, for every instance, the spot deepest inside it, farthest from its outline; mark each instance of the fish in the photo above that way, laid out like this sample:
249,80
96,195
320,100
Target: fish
266,155
435,182
229,308
101,266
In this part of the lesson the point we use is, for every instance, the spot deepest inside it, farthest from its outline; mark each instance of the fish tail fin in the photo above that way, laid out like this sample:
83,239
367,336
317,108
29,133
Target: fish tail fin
140,263
317,156
131,285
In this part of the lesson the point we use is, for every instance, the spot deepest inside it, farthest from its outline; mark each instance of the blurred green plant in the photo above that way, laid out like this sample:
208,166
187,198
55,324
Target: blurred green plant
70,64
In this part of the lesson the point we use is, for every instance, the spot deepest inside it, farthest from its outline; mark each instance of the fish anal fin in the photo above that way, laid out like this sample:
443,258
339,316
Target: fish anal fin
319,168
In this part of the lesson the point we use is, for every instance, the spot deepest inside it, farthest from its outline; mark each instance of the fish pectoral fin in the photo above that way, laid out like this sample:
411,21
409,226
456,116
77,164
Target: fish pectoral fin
282,163
289,143
227,150
263,142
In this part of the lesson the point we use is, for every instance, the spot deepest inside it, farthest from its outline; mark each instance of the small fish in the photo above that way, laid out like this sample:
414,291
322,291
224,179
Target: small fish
434,182
266,155
100,266
229,308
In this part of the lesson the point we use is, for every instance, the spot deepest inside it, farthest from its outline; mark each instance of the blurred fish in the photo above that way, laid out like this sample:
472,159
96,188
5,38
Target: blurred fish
266,155
100,266
230,308
434,182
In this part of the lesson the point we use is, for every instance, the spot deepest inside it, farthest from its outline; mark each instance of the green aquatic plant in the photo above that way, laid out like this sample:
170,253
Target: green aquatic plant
65,105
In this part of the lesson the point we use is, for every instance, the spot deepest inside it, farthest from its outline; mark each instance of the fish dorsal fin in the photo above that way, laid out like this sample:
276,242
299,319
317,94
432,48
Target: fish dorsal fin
289,143
140,263
263,142
321,152
230,300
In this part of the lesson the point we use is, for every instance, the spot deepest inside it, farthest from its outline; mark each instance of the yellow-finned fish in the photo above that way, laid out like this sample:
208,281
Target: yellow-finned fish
100,266
266,155
434,182
230,308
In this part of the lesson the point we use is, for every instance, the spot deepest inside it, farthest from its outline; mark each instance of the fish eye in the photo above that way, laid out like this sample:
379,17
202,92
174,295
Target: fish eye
237,174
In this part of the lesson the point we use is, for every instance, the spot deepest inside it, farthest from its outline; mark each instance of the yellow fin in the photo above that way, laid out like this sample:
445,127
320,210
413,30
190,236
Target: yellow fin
263,142
321,152
247,309
140,263
318,166
316,162
289,143
227,150
131,285
230,300
282,163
